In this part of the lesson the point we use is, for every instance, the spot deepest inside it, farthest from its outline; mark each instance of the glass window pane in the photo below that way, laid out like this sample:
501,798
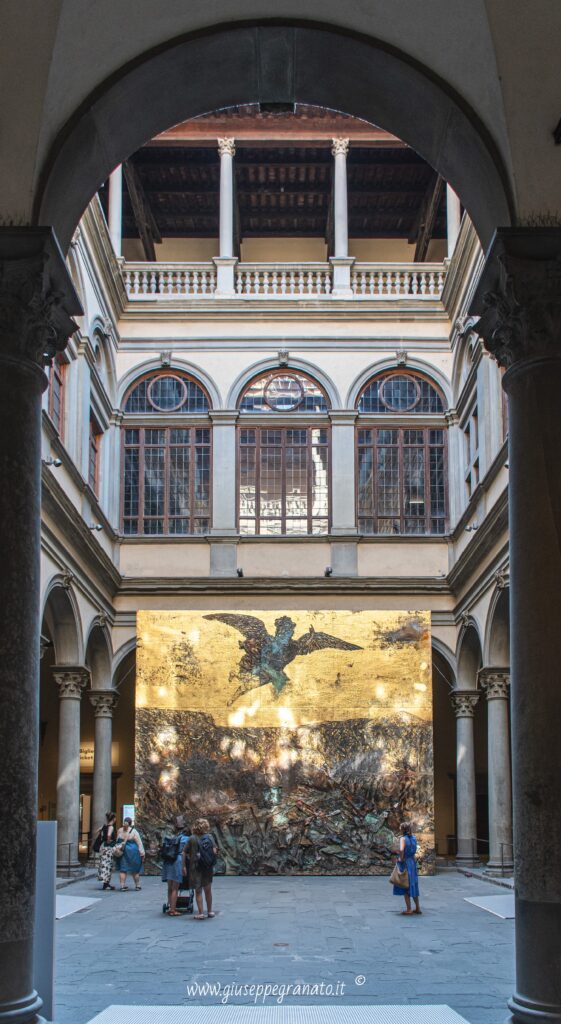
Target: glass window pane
202,436
130,527
436,436
179,526
201,526
154,437
297,481
319,526
320,482
400,393
365,481
365,437
319,435
166,393
296,436
437,488
179,482
247,483
131,482
247,527
413,436
132,436
154,482
247,436
414,481
270,483
153,526
179,436
202,481
387,436
296,525
271,437
285,392
387,476
270,527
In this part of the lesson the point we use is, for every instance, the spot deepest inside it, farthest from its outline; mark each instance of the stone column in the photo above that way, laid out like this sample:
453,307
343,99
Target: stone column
340,261
453,219
223,552
344,552
71,680
36,298
495,683
226,261
104,702
464,702
115,217
519,300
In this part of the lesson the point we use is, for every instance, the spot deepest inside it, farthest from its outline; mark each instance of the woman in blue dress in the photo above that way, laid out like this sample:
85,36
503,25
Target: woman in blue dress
407,851
131,860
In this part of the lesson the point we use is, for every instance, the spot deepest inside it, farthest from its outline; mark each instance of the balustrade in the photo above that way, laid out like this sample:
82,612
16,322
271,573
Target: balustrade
300,281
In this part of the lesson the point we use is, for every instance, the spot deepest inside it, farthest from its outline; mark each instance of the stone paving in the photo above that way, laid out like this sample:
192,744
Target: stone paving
343,932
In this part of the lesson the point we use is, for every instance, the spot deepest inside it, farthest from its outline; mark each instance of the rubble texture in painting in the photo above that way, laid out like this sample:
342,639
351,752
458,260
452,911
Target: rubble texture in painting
305,737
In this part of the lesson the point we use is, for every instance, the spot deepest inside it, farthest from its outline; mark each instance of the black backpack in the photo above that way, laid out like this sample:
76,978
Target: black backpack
170,849
207,856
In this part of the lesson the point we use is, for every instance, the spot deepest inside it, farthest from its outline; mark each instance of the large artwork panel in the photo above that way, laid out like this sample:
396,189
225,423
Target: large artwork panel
305,737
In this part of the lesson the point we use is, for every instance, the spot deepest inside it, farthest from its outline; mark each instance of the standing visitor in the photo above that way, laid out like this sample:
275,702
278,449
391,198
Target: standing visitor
107,836
199,858
406,859
131,856
172,864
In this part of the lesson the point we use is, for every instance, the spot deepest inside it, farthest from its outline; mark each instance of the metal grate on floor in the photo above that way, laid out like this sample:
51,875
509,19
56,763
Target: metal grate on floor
278,1015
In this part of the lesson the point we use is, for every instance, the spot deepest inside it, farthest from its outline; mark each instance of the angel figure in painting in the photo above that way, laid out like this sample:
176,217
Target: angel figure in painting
265,657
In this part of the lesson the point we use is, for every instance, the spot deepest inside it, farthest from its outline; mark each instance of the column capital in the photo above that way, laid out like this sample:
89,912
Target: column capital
339,147
343,417
71,680
494,682
104,702
37,297
224,417
518,297
226,147
464,702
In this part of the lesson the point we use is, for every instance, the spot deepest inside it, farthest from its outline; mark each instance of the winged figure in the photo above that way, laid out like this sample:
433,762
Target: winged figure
265,657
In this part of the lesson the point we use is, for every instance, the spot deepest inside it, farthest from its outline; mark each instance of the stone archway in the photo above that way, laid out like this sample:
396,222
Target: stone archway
299,62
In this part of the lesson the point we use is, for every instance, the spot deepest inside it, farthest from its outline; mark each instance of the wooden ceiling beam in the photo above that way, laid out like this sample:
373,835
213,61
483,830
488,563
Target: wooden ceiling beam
148,230
423,227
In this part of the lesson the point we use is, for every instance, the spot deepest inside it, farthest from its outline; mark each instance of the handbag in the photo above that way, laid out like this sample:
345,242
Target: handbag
399,877
119,848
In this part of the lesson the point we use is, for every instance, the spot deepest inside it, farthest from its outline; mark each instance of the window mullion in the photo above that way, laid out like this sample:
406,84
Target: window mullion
283,479
401,477
258,480
427,471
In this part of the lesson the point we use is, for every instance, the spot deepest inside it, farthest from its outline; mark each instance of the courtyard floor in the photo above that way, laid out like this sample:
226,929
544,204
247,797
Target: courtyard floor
344,932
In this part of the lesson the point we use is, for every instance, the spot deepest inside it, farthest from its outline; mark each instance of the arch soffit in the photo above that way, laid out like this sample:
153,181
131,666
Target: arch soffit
98,332
499,594
123,652
471,629
445,653
303,62
413,364
182,365
59,598
269,365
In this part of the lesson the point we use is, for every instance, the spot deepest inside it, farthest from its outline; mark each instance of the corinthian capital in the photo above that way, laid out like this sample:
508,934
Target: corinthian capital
71,680
495,682
37,297
226,147
340,147
104,702
519,295
464,702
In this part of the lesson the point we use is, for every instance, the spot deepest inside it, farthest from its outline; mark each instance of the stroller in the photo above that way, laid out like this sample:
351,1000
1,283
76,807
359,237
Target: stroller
184,903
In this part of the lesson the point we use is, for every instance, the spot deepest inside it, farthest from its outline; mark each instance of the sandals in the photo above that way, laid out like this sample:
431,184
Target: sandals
198,917
138,888
211,913
173,913
124,888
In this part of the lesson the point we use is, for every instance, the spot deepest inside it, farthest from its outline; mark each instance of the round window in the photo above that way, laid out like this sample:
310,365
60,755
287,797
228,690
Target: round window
399,393
166,394
284,393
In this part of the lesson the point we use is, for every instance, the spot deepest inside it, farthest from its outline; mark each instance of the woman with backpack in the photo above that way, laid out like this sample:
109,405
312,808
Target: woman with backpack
199,858
104,844
172,864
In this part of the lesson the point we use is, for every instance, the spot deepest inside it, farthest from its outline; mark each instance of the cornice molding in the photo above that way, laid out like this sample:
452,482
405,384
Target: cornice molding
255,585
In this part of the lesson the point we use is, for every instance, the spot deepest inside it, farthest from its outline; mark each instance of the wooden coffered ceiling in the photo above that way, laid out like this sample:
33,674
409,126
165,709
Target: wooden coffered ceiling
283,179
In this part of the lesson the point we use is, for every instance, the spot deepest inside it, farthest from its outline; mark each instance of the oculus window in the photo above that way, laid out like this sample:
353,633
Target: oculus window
401,460
283,461
166,457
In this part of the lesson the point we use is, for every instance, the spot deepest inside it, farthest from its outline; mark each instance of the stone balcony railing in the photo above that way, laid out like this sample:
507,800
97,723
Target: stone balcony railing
284,281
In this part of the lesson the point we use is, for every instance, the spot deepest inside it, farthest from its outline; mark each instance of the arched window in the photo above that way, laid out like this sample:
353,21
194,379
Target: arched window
283,462
166,457
401,456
